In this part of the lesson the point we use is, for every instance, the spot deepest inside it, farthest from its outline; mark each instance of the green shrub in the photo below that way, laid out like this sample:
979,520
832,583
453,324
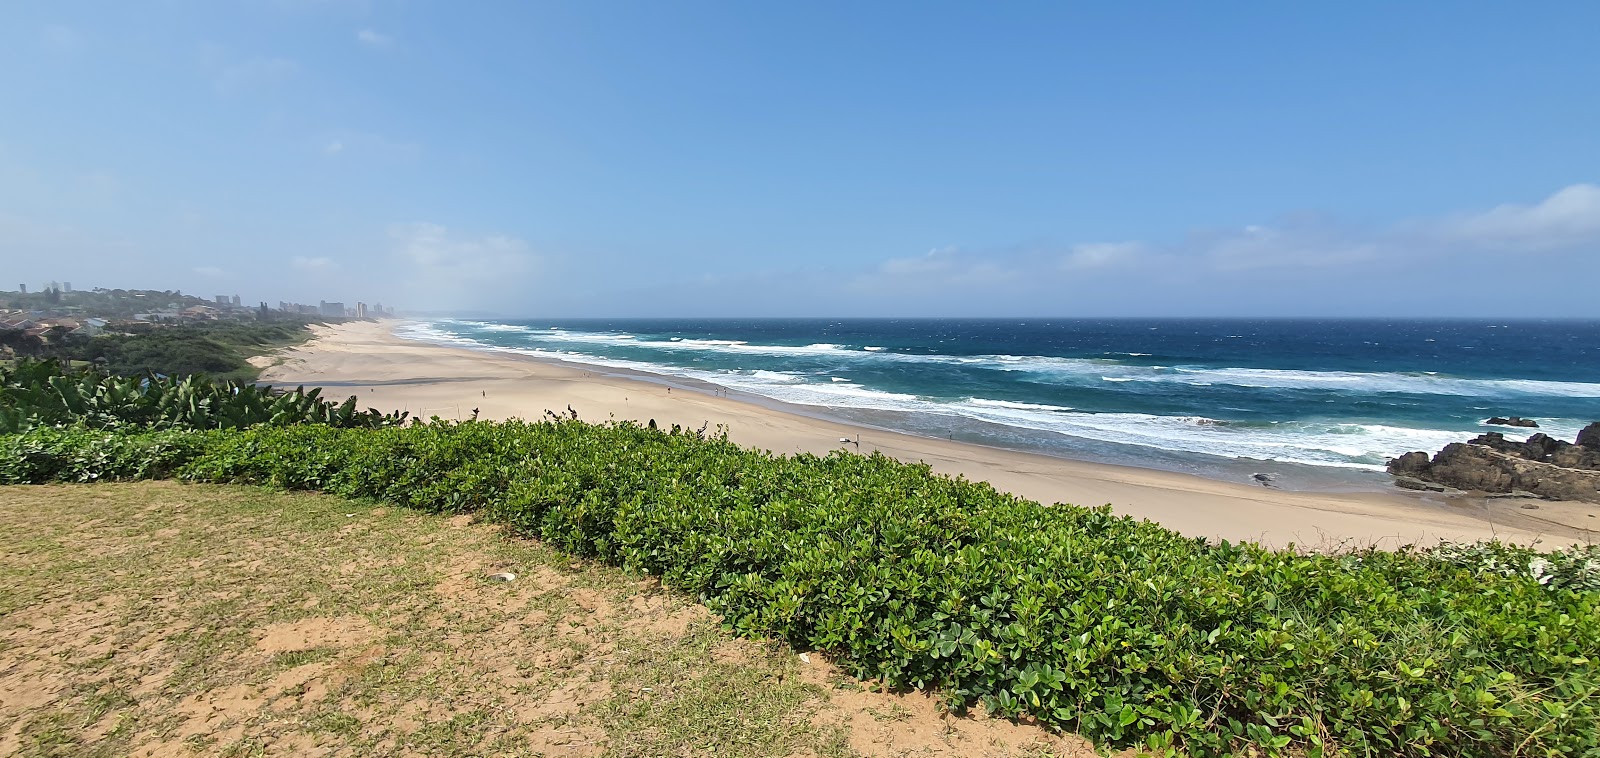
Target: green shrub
83,455
43,393
1119,629
217,348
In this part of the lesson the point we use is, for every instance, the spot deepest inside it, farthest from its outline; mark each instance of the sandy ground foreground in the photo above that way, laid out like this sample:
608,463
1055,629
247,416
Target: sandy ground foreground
387,372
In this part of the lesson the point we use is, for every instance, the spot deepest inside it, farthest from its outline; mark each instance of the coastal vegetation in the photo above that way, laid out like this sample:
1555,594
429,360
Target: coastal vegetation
45,394
220,349
1120,630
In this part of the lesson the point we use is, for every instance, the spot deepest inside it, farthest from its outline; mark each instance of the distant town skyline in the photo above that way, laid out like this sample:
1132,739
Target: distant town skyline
231,302
824,159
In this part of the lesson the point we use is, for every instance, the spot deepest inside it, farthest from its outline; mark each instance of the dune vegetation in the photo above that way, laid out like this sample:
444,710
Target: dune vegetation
219,349
44,394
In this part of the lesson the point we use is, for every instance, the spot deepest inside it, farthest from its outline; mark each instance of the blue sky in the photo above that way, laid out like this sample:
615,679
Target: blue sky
832,159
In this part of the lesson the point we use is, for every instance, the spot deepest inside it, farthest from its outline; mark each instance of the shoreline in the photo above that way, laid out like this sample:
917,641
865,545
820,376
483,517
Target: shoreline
394,373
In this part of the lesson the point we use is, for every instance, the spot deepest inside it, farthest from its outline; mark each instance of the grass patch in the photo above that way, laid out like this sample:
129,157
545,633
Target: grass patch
224,620
297,658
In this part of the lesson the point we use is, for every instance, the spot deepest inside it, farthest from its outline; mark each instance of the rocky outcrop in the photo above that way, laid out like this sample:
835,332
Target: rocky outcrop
1590,436
1542,466
1543,448
1513,421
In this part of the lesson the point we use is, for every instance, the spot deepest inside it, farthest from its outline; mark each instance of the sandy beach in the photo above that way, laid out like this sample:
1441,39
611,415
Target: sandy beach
387,372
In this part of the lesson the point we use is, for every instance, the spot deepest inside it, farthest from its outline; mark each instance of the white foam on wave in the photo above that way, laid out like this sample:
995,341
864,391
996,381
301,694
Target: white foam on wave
1356,446
983,402
490,326
428,332
563,335
738,347
1349,445
779,385
781,377
1077,370
1092,371
689,343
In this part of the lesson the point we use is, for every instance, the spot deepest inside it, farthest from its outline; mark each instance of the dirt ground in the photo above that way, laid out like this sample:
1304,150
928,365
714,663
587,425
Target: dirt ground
164,619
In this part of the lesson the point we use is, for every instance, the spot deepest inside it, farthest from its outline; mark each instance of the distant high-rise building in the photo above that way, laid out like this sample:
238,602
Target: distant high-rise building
23,288
66,286
52,285
361,310
235,299
222,299
330,309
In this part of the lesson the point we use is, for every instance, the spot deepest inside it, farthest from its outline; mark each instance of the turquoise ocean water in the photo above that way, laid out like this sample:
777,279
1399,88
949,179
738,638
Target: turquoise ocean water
1319,404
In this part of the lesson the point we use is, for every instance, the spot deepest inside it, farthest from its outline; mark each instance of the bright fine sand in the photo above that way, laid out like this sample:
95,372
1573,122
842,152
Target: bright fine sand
389,373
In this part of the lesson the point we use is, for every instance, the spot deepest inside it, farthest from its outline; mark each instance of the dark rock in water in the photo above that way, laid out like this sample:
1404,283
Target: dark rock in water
1264,480
1590,436
1513,421
1542,466
1410,463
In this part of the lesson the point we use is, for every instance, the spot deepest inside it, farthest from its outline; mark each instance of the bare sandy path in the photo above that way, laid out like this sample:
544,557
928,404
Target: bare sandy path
388,372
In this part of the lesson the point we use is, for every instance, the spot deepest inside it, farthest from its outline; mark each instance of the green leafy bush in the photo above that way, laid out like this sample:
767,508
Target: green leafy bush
42,393
84,455
1119,629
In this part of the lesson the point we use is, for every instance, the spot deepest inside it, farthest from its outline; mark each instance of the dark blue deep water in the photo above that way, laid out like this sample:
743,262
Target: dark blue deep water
1216,397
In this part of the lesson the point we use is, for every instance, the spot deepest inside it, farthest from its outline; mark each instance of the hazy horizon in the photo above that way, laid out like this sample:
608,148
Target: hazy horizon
698,160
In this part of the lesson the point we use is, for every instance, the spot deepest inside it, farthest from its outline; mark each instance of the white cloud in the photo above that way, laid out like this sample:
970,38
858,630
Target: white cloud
942,270
314,265
333,148
1292,246
257,72
1569,217
936,261
374,39
1244,267
1567,220
1101,254
459,270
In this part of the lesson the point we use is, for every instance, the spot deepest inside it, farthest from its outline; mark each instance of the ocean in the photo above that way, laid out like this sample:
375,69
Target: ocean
1318,405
